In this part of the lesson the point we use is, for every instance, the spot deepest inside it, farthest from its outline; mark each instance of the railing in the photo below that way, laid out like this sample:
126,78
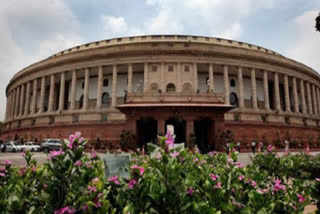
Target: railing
174,97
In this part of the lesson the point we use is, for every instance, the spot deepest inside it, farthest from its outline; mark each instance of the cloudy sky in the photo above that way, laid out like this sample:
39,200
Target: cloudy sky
32,30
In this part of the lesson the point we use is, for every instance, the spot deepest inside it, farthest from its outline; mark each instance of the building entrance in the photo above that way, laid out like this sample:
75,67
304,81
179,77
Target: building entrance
147,128
179,129
204,132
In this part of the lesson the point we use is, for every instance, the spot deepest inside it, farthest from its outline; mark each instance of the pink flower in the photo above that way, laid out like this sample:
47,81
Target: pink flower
203,162
54,154
214,177
81,139
92,189
132,182
23,154
253,183
212,153
218,185
241,177
97,204
174,154
195,160
2,168
301,198
190,191
278,186
114,179
2,174
85,207
95,180
77,134
159,157
169,139
318,179
45,186
240,165
140,168
78,163
22,171
93,154
262,191
34,169
270,148
65,210
7,162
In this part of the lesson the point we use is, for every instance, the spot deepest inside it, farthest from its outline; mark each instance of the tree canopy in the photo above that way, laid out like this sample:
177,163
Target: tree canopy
318,23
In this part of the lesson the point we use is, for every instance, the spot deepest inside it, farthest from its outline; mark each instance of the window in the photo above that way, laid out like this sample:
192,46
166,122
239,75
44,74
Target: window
82,86
154,87
170,68
171,87
187,87
232,83
81,102
186,68
105,82
154,68
234,99
105,99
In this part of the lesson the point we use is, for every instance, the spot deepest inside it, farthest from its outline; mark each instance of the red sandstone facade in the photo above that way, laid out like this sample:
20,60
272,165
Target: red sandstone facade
207,87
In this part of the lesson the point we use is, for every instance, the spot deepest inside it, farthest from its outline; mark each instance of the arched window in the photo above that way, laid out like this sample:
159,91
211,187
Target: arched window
81,102
154,87
171,87
105,99
187,87
234,99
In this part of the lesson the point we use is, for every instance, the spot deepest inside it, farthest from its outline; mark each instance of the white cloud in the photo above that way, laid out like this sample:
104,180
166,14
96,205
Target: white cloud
306,47
221,18
48,25
114,25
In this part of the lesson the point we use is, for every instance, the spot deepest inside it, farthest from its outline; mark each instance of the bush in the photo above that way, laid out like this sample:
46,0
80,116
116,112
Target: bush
170,181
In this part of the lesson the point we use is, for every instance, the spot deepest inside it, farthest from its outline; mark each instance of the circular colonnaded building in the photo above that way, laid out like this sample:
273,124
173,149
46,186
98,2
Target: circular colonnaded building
205,87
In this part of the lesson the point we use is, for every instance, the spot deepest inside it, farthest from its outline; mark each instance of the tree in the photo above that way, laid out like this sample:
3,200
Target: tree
318,23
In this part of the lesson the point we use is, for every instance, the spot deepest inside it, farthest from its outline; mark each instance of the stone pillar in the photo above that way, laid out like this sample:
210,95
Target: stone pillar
145,78
226,85
27,106
254,89
309,99
303,97
51,93
295,95
22,96
99,87
34,97
10,105
62,90
189,129
114,86
240,88
266,90
86,89
162,76
179,72
42,94
130,77
14,103
161,128
73,90
318,96
7,107
314,99
277,92
286,93
211,78
17,101
195,76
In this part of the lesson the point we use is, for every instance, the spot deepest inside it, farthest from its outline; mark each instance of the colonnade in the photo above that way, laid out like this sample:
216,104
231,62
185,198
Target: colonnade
22,100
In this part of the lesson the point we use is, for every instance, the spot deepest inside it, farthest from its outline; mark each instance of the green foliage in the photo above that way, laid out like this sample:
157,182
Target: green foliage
168,181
